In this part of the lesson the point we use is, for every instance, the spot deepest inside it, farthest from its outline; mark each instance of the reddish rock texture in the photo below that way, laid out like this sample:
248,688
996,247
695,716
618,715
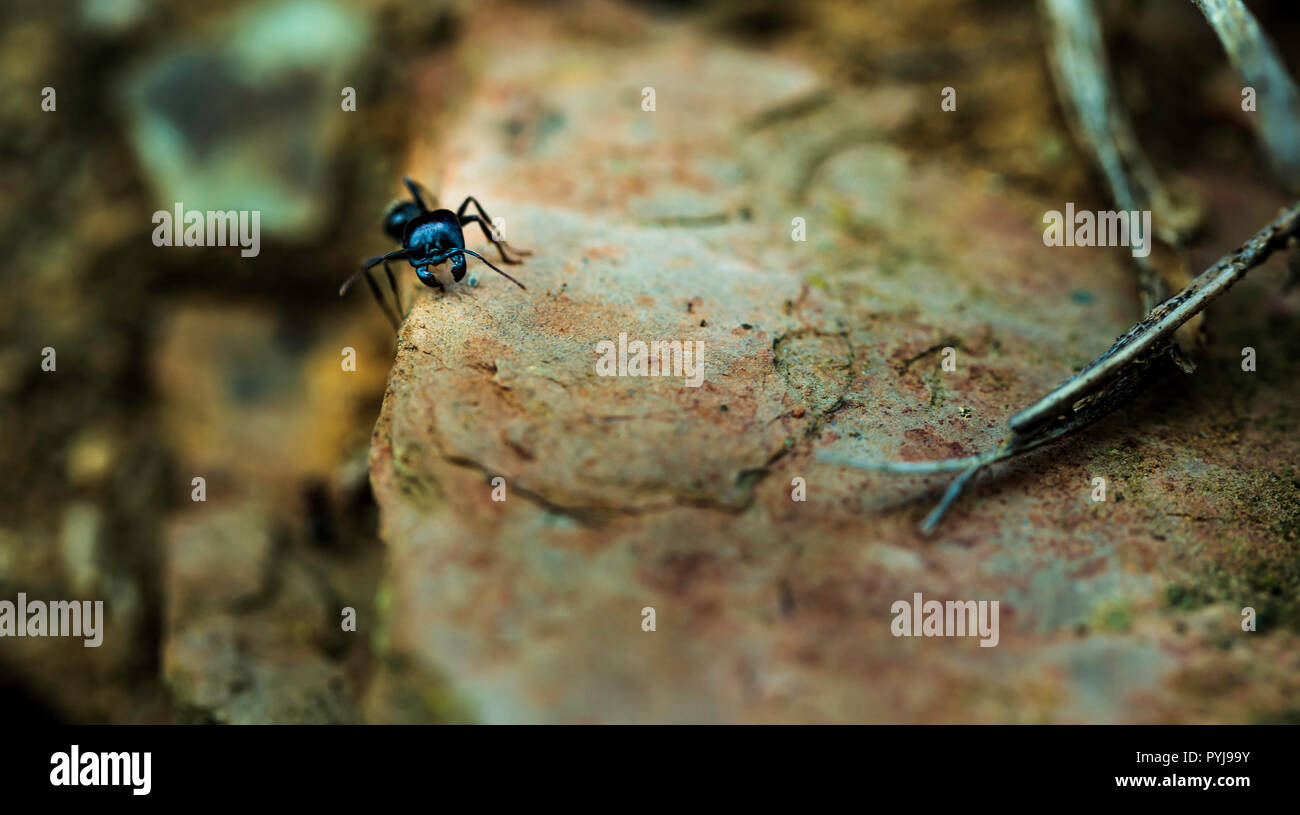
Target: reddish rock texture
625,492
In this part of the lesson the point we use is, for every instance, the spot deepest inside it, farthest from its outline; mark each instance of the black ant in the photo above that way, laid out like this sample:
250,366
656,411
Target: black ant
429,239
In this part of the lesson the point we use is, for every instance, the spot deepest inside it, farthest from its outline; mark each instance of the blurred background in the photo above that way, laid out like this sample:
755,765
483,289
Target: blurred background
176,363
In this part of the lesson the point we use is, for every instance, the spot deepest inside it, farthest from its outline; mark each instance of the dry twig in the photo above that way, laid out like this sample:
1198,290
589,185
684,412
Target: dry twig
1099,123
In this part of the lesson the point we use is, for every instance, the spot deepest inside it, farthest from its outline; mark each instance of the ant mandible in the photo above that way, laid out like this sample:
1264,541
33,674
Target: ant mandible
429,239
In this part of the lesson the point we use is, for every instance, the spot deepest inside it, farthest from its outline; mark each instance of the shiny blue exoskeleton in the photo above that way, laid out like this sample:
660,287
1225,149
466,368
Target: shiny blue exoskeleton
429,239
432,238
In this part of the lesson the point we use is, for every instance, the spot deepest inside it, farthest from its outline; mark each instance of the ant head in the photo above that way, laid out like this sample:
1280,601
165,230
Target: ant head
431,237
428,271
399,214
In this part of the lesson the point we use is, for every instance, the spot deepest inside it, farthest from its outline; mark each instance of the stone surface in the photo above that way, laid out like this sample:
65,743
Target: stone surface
248,116
179,362
252,648
922,233
626,493
255,577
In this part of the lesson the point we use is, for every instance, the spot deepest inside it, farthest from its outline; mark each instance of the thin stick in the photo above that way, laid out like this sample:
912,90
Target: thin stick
1091,103
1145,337
1106,383
1259,67
1088,94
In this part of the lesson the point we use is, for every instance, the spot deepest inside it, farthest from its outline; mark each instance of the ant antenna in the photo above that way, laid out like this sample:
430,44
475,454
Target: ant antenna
495,269
370,264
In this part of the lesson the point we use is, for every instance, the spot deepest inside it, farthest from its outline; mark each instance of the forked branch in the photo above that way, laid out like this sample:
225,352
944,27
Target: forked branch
1108,381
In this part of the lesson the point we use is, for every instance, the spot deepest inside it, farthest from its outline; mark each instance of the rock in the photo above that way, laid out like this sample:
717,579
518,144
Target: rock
250,117
630,493
259,403
79,547
265,412
90,457
251,647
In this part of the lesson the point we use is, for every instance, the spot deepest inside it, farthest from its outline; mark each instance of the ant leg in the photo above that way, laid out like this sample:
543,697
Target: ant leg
374,289
366,266
415,187
487,232
392,284
487,221
370,263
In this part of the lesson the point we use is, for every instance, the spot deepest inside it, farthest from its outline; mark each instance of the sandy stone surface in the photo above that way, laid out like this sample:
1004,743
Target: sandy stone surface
630,492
